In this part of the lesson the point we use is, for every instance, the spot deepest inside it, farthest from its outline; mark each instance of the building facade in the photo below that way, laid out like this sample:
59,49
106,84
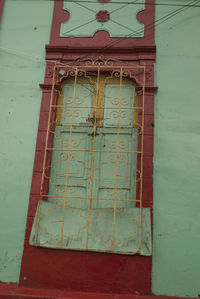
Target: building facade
103,52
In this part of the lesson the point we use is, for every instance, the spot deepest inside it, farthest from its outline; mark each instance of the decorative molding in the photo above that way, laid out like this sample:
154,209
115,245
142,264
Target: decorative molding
62,53
101,39
85,18
48,87
148,89
146,48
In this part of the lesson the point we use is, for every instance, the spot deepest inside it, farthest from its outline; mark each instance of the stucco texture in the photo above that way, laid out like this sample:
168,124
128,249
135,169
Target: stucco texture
24,31
176,242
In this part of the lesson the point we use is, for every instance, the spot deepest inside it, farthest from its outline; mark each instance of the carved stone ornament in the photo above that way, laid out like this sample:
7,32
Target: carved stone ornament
103,16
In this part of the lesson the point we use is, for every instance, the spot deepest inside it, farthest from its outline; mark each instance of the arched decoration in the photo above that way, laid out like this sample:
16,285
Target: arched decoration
91,65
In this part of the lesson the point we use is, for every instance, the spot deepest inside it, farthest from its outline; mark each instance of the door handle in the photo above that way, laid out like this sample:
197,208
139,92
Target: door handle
94,120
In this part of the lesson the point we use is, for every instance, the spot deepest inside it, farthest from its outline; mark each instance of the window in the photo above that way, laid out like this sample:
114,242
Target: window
99,55
90,169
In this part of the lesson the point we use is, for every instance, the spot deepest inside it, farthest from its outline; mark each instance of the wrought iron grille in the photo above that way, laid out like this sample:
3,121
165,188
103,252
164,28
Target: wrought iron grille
93,160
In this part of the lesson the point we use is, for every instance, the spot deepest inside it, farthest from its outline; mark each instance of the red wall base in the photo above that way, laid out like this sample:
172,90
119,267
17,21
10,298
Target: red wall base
12,291
85,271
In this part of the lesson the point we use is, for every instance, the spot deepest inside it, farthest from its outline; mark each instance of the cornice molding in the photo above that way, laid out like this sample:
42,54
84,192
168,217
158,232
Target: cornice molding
48,86
61,53
148,89
67,49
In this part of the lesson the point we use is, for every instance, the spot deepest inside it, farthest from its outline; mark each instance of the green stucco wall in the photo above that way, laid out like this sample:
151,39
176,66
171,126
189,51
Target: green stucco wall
24,31
176,254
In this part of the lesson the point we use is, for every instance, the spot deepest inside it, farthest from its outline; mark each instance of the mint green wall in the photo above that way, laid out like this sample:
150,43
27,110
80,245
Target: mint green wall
25,28
176,250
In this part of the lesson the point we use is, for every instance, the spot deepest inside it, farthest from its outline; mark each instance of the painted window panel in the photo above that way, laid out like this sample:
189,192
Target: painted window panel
114,114
75,184
84,97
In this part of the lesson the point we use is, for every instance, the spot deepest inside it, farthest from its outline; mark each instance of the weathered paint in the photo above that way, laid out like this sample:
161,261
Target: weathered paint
176,254
24,30
176,197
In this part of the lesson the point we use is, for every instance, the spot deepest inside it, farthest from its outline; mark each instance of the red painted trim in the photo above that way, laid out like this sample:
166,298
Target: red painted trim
85,271
102,38
1,8
90,271
12,291
60,52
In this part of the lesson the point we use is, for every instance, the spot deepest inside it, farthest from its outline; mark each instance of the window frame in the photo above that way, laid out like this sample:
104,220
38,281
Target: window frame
139,267
83,271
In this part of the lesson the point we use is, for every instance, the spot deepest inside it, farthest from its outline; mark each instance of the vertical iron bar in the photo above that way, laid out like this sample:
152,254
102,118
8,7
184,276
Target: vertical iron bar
68,156
92,161
45,153
141,167
117,158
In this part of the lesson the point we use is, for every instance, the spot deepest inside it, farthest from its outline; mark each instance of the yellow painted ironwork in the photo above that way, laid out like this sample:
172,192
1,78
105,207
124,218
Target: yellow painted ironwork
97,75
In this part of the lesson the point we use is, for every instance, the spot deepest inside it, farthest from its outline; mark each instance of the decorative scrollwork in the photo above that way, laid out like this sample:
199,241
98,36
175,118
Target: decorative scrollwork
99,61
